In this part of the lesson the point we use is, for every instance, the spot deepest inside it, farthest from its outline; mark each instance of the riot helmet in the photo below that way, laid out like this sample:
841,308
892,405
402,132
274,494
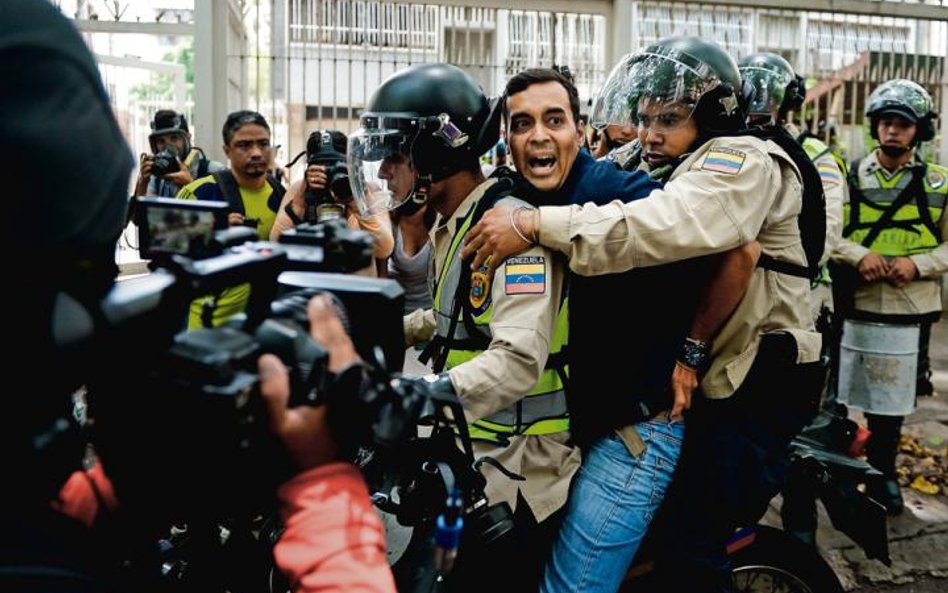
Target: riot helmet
422,125
167,121
695,76
776,87
905,99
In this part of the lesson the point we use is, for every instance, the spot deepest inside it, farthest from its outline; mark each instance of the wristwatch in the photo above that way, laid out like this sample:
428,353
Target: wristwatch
694,354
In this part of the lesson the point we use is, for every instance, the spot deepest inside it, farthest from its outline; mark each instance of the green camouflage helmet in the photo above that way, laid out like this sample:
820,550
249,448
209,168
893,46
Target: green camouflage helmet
907,100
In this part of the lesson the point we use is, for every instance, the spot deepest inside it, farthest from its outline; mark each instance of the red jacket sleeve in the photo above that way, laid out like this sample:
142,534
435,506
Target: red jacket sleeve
334,540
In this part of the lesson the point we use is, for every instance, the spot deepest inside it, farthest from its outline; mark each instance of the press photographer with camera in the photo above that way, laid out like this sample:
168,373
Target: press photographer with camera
325,193
63,527
252,195
173,162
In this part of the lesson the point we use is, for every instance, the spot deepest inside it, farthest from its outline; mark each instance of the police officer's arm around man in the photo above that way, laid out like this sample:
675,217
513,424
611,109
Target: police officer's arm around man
762,383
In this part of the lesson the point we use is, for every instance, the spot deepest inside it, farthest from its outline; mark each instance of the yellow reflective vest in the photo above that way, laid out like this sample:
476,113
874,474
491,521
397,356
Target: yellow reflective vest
914,227
465,334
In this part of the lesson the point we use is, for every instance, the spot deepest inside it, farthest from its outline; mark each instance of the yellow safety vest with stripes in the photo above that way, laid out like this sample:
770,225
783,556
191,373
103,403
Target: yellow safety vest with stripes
914,227
543,409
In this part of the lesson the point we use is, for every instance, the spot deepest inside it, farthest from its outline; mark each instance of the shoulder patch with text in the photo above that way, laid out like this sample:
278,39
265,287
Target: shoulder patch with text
480,290
936,179
525,275
724,160
829,174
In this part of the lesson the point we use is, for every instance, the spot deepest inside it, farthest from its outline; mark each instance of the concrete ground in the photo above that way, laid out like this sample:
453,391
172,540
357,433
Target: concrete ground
918,539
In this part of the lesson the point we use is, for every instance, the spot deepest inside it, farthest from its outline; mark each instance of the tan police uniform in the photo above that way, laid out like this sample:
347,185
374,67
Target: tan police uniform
836,191
521,330
731,191
922,295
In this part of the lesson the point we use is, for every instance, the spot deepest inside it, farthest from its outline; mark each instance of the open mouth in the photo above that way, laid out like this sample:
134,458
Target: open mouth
542,165
655,158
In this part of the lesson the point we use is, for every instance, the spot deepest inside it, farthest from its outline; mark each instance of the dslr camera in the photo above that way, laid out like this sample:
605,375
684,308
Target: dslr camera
165,161
329,202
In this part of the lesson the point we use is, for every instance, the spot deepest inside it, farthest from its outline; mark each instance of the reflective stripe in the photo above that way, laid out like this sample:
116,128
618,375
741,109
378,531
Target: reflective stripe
906,234
543,409
485,431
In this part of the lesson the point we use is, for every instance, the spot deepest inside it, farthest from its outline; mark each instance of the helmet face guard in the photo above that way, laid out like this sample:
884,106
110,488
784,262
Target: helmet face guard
380,165
769,88
654,80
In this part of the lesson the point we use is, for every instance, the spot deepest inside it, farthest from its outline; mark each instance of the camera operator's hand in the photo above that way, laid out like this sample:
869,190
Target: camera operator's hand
326,329
181,177
235,219
305,430
145,162
316,178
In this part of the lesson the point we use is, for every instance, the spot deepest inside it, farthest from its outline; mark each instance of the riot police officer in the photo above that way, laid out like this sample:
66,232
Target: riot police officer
894,247
495,334
761,384
778,90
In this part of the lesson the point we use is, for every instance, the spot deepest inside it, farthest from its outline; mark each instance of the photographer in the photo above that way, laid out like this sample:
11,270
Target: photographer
57,535
173,163
318,197
252,195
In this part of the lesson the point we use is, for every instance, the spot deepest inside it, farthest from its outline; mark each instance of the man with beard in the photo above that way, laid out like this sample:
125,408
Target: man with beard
894,245
254,198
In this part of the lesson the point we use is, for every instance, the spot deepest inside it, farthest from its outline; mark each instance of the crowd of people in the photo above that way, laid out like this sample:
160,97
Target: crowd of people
704,231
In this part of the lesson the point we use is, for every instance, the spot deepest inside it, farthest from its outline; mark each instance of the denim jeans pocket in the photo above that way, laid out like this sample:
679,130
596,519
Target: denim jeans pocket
663,439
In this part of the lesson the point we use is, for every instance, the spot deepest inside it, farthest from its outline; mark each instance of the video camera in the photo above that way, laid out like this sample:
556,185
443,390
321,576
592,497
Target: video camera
181,404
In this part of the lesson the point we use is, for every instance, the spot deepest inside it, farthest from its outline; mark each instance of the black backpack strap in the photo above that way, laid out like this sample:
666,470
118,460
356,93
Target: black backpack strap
276,194
203,165
438,347
856,197
914,189
228,184
812,218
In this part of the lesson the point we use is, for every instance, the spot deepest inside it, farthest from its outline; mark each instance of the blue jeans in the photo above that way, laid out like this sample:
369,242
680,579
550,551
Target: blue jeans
611,503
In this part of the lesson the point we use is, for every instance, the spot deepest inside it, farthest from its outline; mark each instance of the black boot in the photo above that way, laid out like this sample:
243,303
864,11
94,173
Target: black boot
881,451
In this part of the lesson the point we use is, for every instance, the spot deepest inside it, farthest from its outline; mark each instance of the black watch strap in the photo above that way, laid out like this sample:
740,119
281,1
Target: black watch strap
695,354
293,217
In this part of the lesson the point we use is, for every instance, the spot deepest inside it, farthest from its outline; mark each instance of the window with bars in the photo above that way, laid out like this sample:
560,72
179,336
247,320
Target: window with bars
364,23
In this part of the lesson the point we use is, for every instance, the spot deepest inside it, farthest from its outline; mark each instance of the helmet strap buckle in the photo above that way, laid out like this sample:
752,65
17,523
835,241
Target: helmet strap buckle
420,192
447,131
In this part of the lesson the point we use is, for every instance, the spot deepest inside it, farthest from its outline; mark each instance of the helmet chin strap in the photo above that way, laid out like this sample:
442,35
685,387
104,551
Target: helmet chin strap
418,196
894,151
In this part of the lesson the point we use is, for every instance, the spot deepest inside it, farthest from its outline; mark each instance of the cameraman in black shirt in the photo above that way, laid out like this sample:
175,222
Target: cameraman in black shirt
62,525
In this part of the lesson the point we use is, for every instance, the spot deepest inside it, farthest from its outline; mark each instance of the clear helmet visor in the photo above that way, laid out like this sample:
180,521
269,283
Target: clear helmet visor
380,169
770,88
655,80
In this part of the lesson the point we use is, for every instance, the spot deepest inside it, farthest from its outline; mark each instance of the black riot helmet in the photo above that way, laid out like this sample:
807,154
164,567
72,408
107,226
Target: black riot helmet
432,118
687,72
167,121
905,99
776,87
